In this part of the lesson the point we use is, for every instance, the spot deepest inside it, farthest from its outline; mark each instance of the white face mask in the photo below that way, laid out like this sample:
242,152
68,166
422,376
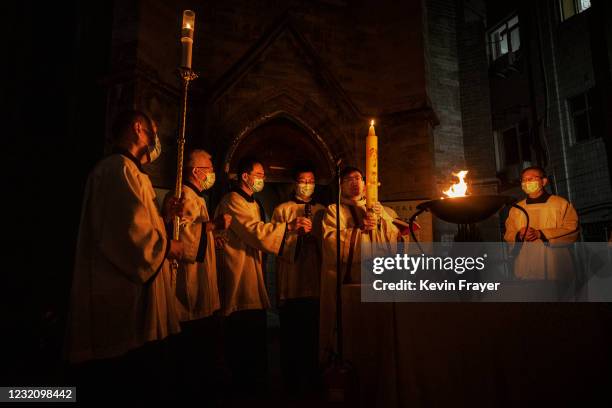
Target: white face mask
258,185
208,181
531,187
304,190
154,150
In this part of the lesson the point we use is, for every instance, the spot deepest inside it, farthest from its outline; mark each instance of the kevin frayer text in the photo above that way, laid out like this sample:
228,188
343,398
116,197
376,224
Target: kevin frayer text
427,285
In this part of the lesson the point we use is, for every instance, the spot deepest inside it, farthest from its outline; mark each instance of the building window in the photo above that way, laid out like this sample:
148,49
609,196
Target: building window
513,146
586,116
570,8
505,38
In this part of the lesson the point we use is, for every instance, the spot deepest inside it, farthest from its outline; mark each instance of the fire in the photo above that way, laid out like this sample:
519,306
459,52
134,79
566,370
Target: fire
458,189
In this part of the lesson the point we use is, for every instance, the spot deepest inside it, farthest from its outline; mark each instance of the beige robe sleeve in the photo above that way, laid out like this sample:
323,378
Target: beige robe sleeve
566,230
127,237
266,237
513,225
347,228
283,214
192,224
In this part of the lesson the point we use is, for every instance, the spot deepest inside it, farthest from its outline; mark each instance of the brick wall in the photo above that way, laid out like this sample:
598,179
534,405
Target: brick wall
443,86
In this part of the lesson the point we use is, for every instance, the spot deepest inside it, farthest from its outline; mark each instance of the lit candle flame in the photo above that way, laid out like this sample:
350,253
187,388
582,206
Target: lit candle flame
188,26
458,189
372,122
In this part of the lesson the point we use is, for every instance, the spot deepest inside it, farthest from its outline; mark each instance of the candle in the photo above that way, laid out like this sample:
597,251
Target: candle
187,38
371,167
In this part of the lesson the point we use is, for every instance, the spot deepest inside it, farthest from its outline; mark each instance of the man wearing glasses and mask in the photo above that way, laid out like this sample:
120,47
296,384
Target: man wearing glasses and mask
122,302
244,297
197,294
553,224
361,320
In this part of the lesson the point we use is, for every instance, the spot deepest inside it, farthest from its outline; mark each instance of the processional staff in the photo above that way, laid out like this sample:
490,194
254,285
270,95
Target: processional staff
186,75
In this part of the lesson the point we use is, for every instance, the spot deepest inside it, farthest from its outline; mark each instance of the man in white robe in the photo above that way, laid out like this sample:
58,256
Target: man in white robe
367,327
244,297
298,287
197,294
553,226
121,290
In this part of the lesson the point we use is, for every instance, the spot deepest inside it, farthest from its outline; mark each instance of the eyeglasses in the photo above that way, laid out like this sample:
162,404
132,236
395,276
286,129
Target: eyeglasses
351,179
533,178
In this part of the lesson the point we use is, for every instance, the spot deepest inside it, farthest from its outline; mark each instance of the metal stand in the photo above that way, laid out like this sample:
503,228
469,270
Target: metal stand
339,334
187,75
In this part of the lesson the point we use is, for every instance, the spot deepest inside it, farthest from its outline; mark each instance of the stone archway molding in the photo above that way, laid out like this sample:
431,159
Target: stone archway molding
331,159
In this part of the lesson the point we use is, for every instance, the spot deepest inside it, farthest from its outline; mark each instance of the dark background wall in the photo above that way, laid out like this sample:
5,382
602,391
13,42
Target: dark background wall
56,55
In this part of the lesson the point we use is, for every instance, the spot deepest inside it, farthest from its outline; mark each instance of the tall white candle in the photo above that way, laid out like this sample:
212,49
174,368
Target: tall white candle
187,38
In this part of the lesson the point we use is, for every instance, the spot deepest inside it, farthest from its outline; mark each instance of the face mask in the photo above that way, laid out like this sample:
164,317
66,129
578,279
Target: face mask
304,190
530,187
154,150
208,181
258,185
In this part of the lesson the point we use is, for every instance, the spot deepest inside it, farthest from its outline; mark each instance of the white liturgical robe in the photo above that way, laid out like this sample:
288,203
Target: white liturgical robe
299,276
385,234
197,294
241,279
121,290
548,259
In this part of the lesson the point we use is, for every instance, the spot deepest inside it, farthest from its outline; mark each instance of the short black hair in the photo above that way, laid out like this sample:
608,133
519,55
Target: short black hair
537,168
125,120
302,169
245,165
348,170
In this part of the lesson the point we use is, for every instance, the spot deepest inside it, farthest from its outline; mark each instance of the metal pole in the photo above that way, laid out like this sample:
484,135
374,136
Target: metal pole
187,75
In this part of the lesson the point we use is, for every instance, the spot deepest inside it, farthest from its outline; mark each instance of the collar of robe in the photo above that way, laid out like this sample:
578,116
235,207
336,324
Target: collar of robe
356,203
244,195
194,188
251,199
123,152
538,200
298,201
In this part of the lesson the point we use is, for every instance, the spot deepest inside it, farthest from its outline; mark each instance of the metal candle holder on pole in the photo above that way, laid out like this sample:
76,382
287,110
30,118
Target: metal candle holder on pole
186,75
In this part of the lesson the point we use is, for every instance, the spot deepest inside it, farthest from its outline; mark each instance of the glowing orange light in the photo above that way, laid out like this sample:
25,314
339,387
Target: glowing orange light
458,189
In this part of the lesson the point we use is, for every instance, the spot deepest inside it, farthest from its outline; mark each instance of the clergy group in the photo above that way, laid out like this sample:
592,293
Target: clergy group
157,318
